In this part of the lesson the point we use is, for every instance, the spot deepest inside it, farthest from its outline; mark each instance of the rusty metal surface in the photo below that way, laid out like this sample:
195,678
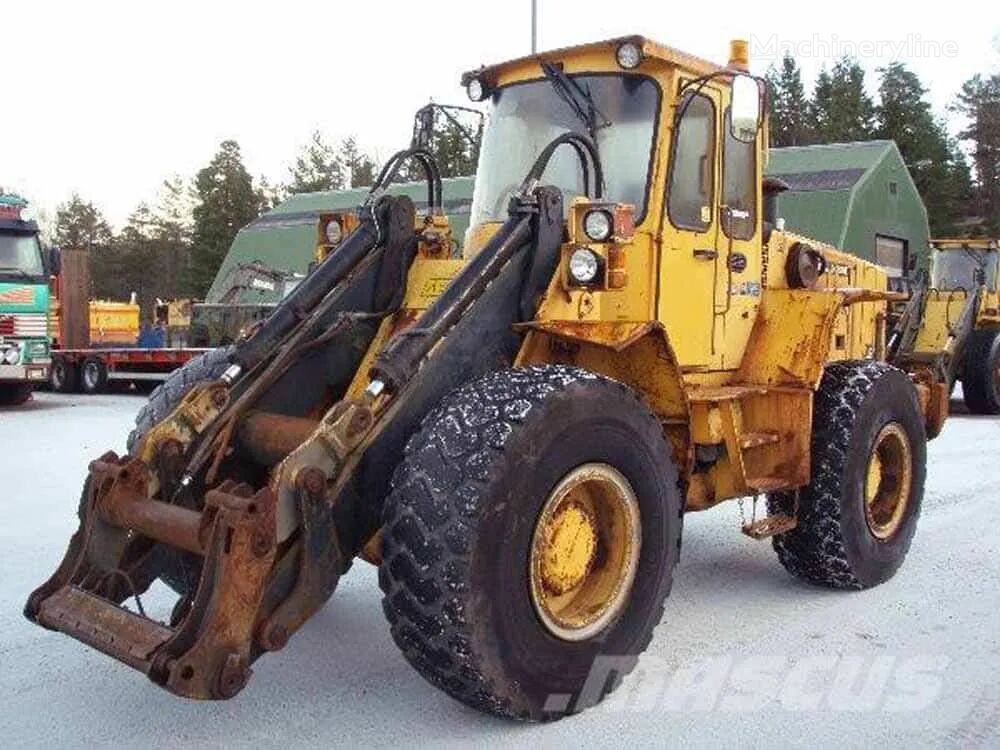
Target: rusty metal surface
209,653
614,335
764,528
127,505
117,632
270,437
791,338
320,563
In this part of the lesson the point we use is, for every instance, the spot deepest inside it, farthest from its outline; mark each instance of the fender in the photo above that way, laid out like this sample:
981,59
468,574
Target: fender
638,354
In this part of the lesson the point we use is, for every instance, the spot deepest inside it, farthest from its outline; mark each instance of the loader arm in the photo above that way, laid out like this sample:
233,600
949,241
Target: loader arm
136,506
270,550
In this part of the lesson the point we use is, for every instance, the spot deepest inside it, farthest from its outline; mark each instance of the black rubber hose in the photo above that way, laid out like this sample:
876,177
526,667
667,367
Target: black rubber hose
580,144
390,171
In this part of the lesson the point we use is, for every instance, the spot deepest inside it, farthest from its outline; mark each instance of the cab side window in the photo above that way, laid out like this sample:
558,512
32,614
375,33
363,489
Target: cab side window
692,185
739,186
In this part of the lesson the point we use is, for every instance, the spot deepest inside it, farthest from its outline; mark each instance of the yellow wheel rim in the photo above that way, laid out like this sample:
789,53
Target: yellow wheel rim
888,481
585,552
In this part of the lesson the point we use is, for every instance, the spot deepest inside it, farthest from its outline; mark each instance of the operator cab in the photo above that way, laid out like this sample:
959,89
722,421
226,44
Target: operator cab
676,219
964,264
618,101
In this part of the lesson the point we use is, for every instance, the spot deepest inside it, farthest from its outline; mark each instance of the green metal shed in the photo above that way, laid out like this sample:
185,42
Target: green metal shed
855,196
285,237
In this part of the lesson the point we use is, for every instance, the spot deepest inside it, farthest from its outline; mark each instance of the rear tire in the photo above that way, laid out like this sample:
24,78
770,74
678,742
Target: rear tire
63,375
981,373
14,394
842,540
93,376
461,526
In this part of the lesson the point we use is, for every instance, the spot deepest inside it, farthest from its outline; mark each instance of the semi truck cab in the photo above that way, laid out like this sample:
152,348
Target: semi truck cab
24,303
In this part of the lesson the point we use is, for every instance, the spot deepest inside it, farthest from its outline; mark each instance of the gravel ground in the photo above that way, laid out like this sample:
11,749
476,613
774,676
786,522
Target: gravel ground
745,655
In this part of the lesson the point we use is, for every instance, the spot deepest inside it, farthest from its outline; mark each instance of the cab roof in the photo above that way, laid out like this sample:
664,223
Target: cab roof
959,243
651,50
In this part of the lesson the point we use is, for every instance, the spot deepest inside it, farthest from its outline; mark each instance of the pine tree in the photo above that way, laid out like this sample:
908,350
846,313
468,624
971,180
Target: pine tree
789,107
841,110
317,167
172,227
934,160
979,103
227,201
360,167
140,262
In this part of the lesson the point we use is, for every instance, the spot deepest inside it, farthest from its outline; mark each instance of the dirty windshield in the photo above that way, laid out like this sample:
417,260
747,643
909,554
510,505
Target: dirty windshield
20,255
525,117
956,269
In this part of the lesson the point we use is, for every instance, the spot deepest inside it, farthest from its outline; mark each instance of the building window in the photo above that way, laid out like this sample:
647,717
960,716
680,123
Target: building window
890,253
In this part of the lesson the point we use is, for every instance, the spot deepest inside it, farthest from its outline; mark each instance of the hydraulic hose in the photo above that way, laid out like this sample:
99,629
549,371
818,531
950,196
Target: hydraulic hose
432,173
585,148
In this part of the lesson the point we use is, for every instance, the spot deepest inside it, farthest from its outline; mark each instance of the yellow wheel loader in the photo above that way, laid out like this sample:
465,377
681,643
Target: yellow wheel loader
951,324
514,436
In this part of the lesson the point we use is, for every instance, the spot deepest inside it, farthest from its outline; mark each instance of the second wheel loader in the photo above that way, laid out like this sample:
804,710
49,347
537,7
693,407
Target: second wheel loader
950,328
514,436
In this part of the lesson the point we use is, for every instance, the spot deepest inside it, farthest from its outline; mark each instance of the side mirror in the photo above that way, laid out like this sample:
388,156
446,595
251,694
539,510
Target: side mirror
55,261
746,110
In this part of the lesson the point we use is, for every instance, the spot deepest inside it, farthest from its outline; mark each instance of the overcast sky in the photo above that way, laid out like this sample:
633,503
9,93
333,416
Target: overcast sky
108,98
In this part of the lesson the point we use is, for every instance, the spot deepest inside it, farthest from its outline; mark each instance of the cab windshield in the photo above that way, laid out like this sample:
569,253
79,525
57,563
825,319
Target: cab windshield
525,117
20,255
956,269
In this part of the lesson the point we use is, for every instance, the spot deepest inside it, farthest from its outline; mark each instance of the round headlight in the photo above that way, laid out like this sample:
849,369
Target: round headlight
28,213
629,55
804,266
475,90
334,232
583,265
597,225
12,356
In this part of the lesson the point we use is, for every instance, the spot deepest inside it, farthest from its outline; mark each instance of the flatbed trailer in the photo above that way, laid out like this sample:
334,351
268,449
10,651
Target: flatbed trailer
91,370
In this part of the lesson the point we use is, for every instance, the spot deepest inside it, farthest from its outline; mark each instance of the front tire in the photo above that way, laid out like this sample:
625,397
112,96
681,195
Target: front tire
981,373
478,484
857,516
14,394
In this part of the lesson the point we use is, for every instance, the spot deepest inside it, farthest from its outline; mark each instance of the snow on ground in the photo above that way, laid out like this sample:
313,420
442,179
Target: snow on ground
745,654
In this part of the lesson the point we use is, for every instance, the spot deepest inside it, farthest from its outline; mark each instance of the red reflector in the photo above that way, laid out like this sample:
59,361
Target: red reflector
7,326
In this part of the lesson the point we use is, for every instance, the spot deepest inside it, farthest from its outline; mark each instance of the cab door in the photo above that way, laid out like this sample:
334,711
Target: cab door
688,251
